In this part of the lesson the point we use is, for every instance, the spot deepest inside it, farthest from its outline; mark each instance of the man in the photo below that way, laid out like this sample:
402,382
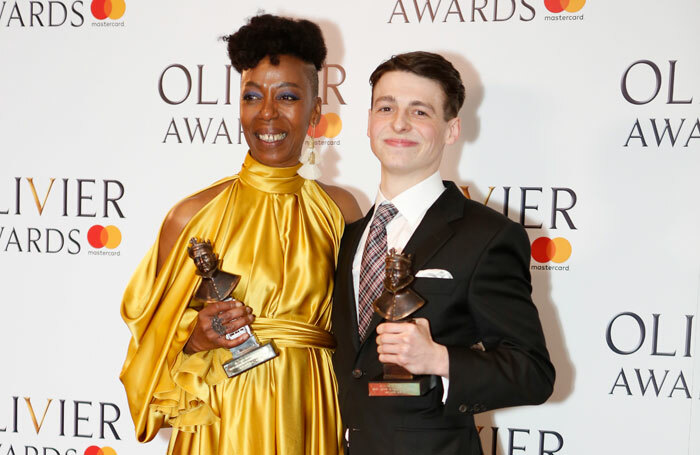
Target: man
478,330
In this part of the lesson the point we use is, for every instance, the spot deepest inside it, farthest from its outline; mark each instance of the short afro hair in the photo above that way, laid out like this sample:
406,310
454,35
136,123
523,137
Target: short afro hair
431,66
270,36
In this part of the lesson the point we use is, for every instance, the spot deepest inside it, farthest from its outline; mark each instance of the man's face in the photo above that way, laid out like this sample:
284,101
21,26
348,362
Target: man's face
407,128
204,260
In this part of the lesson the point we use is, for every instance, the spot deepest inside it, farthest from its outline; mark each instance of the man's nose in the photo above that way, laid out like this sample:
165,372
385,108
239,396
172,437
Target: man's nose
400,122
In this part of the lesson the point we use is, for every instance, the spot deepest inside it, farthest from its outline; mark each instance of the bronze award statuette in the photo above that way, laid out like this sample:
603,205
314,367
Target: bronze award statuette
217,286
395,304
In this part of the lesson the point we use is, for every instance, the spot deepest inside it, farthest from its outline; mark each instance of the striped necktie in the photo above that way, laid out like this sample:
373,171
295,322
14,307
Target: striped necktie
372,270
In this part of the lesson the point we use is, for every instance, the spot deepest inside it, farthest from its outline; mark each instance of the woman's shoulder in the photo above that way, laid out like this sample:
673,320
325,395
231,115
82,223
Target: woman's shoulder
181,214
345,201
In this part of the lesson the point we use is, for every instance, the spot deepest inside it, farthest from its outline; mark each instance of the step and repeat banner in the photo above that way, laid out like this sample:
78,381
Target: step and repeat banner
581,123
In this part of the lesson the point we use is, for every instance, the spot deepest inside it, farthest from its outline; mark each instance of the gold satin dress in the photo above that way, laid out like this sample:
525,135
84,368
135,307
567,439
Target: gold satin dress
281,234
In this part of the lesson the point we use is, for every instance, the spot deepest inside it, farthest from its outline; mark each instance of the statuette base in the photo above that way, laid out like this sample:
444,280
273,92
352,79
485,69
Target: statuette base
419,385
250,359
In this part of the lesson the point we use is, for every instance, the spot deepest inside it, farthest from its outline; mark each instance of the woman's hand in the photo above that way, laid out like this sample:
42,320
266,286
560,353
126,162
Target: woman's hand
232,315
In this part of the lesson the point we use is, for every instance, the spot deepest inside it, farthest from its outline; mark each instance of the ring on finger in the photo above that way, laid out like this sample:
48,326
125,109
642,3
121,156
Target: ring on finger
218,325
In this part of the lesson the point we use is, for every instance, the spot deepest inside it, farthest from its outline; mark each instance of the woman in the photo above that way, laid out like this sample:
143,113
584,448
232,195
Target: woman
281,234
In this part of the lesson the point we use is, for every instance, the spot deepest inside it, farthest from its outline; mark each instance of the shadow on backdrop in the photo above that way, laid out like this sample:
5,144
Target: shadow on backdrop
471,123
330,155
541,280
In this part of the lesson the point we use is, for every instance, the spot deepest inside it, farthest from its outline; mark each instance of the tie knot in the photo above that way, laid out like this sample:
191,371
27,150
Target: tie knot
385,213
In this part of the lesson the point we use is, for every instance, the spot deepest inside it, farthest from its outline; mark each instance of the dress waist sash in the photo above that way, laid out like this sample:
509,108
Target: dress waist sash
292,334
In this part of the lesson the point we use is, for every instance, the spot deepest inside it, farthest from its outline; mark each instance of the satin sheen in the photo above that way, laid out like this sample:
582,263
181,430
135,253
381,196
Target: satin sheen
281,233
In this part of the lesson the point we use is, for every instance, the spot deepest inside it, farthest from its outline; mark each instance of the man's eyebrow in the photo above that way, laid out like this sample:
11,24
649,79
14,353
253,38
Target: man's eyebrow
418,103
422,104
387,98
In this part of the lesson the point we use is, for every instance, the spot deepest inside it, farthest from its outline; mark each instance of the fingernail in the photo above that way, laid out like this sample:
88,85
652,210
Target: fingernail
249,310
238,304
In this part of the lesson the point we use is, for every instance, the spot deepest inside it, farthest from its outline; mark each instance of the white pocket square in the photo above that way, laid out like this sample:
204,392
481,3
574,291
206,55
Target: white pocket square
434,273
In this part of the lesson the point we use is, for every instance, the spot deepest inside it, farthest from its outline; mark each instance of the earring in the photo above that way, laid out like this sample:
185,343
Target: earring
310,160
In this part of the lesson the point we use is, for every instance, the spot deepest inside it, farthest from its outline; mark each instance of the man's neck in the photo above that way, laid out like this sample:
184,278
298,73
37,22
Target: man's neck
392,185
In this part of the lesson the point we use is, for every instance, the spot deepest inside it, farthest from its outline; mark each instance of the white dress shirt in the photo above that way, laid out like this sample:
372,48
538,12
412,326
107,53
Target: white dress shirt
412,204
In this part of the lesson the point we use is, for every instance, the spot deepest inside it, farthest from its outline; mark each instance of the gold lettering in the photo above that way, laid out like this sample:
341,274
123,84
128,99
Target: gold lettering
37,425
465,191
39,207
334,87
486,202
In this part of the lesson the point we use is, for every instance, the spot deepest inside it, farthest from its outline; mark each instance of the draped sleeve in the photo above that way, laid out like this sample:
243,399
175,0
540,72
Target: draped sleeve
155,308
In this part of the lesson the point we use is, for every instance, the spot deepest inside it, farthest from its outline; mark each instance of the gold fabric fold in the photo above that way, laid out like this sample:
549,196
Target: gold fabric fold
292,334
281,233
271,179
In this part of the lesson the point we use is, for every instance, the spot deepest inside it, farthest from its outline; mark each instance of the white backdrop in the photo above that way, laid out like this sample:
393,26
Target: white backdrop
569,104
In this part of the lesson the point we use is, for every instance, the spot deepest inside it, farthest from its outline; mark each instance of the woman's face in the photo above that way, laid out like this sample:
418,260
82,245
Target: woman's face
277,107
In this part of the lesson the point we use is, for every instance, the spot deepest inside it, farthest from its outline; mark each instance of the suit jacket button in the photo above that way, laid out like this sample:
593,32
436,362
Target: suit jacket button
462,408
357,373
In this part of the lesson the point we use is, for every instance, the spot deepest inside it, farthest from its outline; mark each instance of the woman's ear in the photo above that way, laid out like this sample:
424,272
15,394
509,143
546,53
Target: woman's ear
316,113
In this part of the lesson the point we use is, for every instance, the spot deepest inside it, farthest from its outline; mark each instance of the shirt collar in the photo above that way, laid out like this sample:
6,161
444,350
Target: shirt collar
415,201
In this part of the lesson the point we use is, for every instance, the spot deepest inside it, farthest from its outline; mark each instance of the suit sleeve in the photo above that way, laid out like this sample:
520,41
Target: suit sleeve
515,368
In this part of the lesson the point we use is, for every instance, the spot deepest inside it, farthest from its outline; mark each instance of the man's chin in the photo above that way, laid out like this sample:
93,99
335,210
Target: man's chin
399,169
398,162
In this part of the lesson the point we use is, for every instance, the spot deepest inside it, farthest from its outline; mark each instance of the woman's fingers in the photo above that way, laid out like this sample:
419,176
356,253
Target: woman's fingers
216,321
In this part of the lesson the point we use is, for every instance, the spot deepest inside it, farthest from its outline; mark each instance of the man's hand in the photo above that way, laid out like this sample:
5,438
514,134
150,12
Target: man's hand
232,314
411,346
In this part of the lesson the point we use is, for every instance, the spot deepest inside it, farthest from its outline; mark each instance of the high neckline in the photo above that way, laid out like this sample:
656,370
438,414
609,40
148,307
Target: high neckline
270,179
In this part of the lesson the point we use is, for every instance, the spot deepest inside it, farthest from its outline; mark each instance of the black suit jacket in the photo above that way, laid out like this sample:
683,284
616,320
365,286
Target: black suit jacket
487,300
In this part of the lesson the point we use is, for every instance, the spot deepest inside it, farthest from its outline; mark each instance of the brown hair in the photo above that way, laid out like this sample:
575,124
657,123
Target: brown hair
431,66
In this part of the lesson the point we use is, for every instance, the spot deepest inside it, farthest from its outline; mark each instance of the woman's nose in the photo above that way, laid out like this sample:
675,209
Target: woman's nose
268,110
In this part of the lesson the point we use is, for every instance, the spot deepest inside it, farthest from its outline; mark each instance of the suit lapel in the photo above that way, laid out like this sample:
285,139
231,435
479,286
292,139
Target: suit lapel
435,229
432,233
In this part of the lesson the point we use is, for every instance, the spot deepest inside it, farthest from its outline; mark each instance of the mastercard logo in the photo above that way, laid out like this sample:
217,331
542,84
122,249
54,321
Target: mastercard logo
94,450
103,9
557,6
104,237
329,126
556,250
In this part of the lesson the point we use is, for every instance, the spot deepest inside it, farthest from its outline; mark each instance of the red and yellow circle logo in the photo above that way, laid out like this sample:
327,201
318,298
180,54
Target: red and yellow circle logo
329,126
103,9
94,450
104,237
570,6
556,250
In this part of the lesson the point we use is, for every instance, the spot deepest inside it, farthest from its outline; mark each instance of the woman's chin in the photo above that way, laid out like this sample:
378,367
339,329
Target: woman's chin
275,156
